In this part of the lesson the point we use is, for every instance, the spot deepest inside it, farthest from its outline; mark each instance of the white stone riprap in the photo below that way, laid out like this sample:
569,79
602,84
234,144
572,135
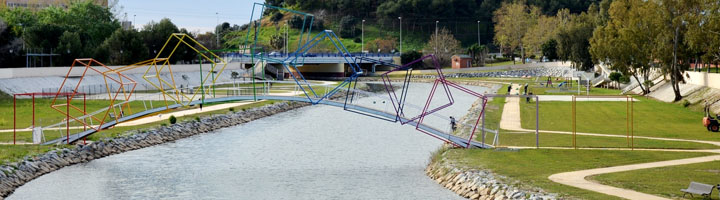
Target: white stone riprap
14,175
480,184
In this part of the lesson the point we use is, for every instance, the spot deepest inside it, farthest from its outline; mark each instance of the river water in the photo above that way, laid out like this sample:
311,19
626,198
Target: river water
316,152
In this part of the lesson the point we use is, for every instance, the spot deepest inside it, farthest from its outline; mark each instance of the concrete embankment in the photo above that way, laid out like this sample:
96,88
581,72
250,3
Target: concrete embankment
14,175
479,184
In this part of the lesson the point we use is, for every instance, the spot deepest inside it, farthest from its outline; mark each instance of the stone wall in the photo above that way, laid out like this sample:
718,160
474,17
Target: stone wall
14,175
480,184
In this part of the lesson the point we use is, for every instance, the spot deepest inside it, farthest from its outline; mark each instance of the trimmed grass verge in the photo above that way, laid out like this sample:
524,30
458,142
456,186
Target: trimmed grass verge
665,181
532,167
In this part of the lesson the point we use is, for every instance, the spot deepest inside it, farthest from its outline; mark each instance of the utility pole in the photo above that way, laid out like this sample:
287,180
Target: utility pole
134,15
400,35
362,37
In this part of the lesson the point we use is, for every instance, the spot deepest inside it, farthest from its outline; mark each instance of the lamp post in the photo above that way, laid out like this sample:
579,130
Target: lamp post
478,24
400,18
134,15
436,35
362,37
217,32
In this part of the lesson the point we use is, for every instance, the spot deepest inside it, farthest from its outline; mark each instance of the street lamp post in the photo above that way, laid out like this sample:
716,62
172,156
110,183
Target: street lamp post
400,18
436,35
478,24
217,32
134,15
362,37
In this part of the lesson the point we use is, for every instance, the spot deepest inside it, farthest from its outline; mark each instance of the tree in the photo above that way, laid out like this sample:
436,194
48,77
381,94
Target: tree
347,26
549,49
383,45
540,33
478,53
443,45
70,47
673,54
124,47
155,34
511,24
573,38
615,76
410,56
277,41
10,46
208,39
627,41
703,32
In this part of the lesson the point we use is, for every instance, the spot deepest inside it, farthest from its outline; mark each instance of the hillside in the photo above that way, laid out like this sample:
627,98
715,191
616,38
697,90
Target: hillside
411,40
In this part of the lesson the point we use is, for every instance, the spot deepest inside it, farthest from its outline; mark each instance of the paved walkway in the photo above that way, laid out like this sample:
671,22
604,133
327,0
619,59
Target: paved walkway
578,178
511,121
166,116
580,98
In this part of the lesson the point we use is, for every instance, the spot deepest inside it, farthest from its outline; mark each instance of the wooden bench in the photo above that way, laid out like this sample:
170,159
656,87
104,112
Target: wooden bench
698,188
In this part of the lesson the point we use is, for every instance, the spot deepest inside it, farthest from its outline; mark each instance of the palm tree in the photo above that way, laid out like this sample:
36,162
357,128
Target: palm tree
478,53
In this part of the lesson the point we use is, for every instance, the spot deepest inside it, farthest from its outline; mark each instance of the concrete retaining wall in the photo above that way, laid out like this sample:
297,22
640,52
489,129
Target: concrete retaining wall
710,80
62,71
48,79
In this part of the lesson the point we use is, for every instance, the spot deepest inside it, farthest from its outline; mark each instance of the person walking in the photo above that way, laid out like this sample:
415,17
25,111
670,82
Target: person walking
453,124
525,89
549,82
509,89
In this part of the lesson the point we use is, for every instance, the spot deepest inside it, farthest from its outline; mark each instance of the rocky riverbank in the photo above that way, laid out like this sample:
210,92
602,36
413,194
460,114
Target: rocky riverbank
14,175
479,184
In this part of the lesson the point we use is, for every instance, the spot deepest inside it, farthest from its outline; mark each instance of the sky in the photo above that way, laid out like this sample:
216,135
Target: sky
195,16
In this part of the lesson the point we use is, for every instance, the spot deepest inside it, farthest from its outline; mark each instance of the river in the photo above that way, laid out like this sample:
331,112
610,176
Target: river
316,152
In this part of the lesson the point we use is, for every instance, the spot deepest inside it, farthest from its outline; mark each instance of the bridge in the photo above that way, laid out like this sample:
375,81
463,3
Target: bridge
425,128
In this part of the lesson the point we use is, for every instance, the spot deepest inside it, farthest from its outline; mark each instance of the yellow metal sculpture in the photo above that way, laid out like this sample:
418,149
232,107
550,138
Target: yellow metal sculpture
169,89
119,85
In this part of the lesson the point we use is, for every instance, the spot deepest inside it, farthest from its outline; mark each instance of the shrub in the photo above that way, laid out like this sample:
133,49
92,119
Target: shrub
410,56
197,118
163,124
276,17
685,103
357,40
232,109
172,119
624,79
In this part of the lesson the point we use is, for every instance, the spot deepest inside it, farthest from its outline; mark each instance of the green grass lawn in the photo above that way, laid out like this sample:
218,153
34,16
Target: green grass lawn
114,132
652,118
45,115
508,138
665,181
532,167
12,153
